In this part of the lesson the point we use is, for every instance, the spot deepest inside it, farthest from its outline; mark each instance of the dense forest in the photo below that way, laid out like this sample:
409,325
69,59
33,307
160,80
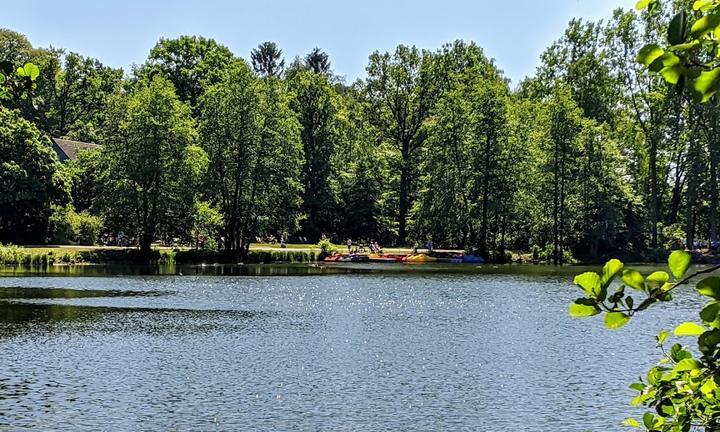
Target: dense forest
593,156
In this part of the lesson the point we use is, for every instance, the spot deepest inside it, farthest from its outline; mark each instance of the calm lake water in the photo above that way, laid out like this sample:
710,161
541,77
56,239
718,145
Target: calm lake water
294,348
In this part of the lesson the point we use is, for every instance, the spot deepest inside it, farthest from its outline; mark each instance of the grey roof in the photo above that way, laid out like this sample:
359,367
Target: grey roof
68,149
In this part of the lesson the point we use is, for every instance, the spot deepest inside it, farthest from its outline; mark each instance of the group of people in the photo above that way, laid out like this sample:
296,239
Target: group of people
374,247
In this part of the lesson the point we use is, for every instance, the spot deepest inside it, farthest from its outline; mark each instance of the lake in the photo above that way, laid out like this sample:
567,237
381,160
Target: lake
315,348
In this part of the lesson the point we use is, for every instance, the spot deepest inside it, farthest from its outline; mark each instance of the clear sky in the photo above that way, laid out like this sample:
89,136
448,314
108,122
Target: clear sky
121,32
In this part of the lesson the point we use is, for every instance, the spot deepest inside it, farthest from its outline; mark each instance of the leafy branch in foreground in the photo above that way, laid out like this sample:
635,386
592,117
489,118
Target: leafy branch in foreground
682,389
690,58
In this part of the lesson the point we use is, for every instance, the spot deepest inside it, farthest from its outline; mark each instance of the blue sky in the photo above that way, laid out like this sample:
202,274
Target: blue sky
121,32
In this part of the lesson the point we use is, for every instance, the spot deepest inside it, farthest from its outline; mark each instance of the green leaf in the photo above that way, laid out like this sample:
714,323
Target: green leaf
662,337
31,71
642,4
705,25
631,422
689,329
672,74
708,387
679,262
685,47
610,270
710,287
630,302
633,279
649,53
590,282
707,84
648,420
657,279
687,364
665,408
638,386
578,310
668,59
710,312
678,28
616,320
703,5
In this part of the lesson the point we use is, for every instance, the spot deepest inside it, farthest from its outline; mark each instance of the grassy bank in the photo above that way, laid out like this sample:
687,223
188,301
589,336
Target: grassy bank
45,256
16,255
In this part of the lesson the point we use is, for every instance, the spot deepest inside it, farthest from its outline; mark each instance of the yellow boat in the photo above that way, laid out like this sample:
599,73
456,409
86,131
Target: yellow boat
420,258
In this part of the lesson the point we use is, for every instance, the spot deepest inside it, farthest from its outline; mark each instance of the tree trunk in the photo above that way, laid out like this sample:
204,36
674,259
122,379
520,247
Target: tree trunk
654,198
404,205
555,205
713,148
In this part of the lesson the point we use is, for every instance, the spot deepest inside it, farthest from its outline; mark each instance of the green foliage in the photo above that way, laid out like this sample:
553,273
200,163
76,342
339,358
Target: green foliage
67,226
207,226
30,180
145,187
326,248
191,63
16,85
682,389
689,60
401,94
252,140
319,111
267,60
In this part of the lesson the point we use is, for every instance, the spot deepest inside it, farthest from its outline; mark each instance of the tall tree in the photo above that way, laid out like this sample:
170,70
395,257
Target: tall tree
267,60
653,104
149,154
401,95
252,140
565,127
318,108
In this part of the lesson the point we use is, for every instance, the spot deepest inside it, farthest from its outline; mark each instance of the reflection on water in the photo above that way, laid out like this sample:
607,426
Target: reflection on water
360,348
68,293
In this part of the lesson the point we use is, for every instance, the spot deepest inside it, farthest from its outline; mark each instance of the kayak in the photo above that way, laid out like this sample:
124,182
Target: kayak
420,258
333,258
473,259
385,258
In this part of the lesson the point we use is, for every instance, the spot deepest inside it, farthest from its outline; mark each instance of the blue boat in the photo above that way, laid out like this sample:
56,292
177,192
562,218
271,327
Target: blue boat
473,259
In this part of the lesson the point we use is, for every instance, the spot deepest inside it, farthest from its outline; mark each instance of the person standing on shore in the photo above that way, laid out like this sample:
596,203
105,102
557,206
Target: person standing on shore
349,245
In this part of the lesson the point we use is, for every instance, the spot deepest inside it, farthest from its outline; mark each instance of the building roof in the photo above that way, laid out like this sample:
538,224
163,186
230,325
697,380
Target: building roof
68,149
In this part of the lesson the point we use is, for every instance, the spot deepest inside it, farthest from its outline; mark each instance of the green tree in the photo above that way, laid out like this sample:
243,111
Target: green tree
401,95
252,139
318,62
149,152
30,180
267,60
463,164
15,47
189,62
319,111
72,95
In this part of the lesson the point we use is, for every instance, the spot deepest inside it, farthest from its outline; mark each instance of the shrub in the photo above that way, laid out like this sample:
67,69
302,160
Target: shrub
66,226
